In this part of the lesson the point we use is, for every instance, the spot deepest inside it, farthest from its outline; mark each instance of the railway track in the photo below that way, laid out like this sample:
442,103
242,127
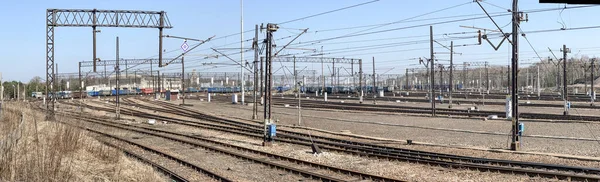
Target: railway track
422,110
201,142
173,174
526,96
372,150
455,101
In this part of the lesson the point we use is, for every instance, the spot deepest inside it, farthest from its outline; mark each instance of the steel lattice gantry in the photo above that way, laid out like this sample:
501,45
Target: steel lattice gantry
127,62
96,18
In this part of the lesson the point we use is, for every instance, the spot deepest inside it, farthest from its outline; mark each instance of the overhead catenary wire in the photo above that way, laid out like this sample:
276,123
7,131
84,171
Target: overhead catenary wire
327,12
438,23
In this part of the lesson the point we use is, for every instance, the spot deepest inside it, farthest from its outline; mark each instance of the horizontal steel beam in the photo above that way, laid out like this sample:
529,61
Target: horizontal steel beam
107,18
316,59
129,62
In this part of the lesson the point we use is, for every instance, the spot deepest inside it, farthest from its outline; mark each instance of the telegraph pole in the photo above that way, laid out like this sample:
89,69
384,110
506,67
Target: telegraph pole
118,73
516,19
565,50
431,63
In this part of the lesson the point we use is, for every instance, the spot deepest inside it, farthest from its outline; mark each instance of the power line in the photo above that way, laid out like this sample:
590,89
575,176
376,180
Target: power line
410,18
327,12
440,22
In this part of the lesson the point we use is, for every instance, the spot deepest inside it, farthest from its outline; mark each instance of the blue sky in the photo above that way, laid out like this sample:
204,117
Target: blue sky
23,37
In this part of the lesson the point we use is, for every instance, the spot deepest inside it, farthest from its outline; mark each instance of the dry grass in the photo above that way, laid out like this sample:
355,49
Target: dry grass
49,151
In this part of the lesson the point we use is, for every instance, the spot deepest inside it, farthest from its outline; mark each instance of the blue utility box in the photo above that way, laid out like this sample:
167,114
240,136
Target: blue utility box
271,130
168,95
521,128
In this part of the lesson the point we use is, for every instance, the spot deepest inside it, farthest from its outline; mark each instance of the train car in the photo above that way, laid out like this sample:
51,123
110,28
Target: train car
147,91
388,89
37,95
104,93
191,90
93,93
78,95
281,89
121,92
65,95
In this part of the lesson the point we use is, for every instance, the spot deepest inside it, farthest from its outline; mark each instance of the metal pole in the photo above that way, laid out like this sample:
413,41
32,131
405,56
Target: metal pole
160,37
242,61
538,82
565,93
441,78
374,82
295,78
118,71
585,77
299,104
262,80
268,79
255,84
80,84
515,145
152,77
56,81
431,63
127,78
406,78
322,71
182,81
332,76
94,38
451,72
487,78
352,72
360,79
592,95
508,80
